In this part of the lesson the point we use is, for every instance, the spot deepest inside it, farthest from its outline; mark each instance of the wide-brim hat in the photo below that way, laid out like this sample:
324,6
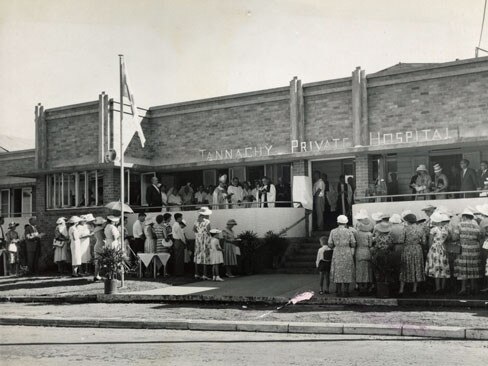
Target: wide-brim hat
467,212
231,222
438,217
362,214
113,218
342,219
395,219
405,213
376,216
13,224
422,167
88,217
99,220
364,225
223,178
215,231
74,219
61,220
410,218
482,209
383,227
437,168
429,208
183,221
205,211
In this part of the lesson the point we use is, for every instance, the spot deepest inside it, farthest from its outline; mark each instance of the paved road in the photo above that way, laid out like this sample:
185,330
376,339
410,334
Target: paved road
77,346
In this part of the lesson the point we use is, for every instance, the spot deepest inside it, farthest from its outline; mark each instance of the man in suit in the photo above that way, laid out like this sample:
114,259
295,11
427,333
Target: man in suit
483,174
153,194
469,180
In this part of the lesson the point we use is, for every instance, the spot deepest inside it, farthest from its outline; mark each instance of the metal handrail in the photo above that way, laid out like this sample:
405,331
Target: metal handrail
418,194
242,205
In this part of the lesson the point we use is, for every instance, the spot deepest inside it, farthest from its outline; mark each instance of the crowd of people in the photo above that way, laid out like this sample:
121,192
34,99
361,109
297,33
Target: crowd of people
260,193
405,249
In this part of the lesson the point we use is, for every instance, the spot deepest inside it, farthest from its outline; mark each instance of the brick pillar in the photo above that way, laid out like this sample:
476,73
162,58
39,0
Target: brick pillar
362,174
111,185
356,107
300,167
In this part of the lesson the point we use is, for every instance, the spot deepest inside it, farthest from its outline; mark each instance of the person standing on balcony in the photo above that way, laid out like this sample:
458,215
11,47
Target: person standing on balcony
235,193
200,196
220,194
469,180
441,183
318,192
267,193
153,194
483,174
283,193
422,183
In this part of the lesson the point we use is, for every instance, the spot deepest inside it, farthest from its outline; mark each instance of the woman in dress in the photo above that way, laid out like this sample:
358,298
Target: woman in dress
201,228
381,251
342,241
162,230
230,257
364,242
437,263
60,244
150,242
112,234
84,229
468,263
412,260
12,239
216,256
74,237
397,233
99,236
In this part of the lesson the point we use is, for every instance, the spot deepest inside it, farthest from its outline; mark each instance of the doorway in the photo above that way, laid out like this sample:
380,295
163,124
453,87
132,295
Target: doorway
450,167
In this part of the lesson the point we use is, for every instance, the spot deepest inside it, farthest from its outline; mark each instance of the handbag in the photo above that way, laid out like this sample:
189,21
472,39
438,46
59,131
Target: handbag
167,243
485,245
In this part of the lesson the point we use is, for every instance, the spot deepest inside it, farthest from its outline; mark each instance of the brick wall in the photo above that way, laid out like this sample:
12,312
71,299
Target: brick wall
363,174
300,167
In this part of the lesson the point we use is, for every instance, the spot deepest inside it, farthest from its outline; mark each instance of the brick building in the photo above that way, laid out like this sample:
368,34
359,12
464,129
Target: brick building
365,126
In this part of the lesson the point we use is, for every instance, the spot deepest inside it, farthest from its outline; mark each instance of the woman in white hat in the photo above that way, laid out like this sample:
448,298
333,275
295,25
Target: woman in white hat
342,241
112,234
423,183
150,242
85,235
441,183
437,262
99,236
74,237
230,257
202,228
364,242
468,263
60,244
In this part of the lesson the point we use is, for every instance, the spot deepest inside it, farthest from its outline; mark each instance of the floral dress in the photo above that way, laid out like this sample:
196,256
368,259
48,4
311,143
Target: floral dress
437,263
364,241
412,265
230,258
202,242
342,241
468,263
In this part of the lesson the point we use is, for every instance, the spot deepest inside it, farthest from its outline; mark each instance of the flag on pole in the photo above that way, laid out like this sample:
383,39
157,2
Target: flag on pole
134,123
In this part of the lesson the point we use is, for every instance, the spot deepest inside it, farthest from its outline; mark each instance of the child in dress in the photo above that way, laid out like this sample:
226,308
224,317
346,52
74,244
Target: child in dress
216,254
323,262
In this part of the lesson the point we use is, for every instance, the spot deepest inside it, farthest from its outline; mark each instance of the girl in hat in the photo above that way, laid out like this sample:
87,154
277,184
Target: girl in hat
437,263
412,260
60,244
468,263
99,236
364,242
12,240
342,241
230,257
202,228
216,255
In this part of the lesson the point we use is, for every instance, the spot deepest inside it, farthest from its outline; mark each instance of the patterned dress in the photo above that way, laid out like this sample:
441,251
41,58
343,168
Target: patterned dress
468,263
62,240
202,242
364,241
230,258
412,266
342,241
437,263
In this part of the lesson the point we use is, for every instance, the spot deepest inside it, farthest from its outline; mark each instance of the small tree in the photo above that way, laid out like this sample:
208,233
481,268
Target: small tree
111,260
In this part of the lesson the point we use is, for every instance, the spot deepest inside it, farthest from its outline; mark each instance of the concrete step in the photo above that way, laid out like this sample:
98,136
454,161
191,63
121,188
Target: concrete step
303,264
301,257
297,270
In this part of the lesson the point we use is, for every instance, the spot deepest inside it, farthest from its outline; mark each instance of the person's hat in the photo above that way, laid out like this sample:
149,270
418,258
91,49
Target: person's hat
99,221
74,219
342,219
205,211
362,214
429,208
438,217
183,221
223,178
384,216
88,217
483,209
410,218
13,224
437,168
377,216
467,212
113,218
364,225
405,213
473,210
422,167
215,231
231,222
61,220
383,227
395,219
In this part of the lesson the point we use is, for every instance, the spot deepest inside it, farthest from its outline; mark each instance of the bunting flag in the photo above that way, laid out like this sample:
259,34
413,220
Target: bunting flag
134,122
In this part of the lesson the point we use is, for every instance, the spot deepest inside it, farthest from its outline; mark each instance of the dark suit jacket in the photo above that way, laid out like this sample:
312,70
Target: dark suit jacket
153,196
482,179
469,182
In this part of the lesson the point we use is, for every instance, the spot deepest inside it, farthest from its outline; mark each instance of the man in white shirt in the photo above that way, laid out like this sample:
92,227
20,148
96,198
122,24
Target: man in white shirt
318,192
266,194
201,196
138,233
235,192
179,239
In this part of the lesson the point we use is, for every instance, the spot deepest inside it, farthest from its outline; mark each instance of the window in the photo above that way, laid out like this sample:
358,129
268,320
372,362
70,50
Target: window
16,202
5,202
27,201
81,189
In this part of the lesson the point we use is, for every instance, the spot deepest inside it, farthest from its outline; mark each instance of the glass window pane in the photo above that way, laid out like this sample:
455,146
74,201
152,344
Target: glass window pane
92,189
16,202
100,187
5,202
26,201
50,191
135,189
82,199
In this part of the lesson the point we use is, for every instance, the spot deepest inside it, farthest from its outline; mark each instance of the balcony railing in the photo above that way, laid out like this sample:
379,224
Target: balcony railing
421,196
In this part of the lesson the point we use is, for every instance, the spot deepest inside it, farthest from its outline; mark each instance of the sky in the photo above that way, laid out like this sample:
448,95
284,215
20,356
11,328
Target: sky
60,52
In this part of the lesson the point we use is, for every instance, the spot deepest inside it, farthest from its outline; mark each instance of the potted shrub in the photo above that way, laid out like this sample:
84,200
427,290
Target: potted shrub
111,260
248,245
277,244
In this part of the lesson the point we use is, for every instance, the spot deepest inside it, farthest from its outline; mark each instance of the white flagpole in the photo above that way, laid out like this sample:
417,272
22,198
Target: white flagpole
122,185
